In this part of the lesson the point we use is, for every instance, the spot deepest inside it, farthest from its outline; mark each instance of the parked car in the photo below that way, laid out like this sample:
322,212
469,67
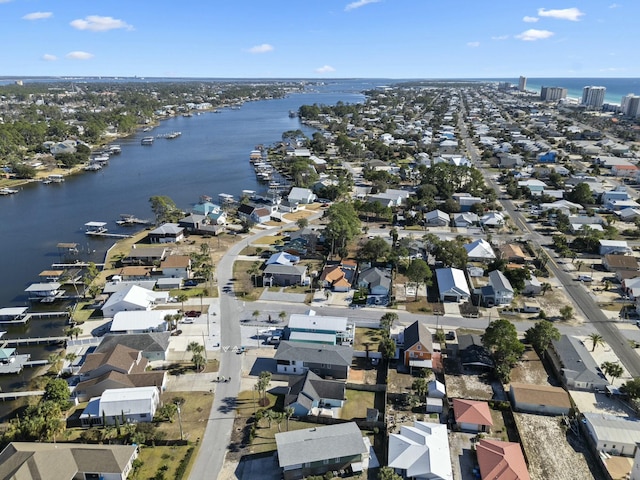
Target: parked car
191,283
192,313
585,278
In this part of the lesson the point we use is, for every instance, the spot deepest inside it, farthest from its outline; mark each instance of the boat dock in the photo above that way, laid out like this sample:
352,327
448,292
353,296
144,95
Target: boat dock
77,264
21,342
7,397
107,235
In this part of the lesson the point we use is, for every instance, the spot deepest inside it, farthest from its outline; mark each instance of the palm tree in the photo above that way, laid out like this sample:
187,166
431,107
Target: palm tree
253,272
613,369
54,360
182,298
282,315
288,412
255,314
73,331
596,339
197,356
545,287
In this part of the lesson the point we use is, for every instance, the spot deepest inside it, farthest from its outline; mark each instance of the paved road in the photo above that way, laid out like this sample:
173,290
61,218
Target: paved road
217,435
576,291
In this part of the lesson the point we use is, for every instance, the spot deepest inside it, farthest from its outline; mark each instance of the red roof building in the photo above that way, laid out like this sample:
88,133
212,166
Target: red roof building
501,461
472,415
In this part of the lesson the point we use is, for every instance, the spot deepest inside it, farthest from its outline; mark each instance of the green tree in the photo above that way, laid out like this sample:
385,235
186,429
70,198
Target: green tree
541,335
386,322
613,369
631,388
387,347
581,194
302,223
264,380
419,272
343,225
164,208
374,249
167,411
595,339
197,356
387,473
566,312
420,386
57,390
501,338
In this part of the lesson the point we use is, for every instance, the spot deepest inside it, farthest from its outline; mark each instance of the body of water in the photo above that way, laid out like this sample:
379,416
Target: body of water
210,157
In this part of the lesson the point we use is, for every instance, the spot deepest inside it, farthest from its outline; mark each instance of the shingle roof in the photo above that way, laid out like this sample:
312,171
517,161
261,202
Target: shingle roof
472,411
119,357
501,460
540,395
577,363
319,443
418,333
306,388
339,355
145,342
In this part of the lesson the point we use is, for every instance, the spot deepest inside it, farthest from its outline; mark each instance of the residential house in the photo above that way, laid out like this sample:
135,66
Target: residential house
421,452
176,266
612,434
144,321
540,399
253,214
145,256
418,346
465,219
132,298
122,405
390,198
575,366
118,367
193,223
317,450
301,196
436,218
323,329
308,394
619,193
501,460
473,354
285,275
492,220
137,273
436,389
564,206
615,247
512,252
472,416
500,291
282,258
153,345
479,251
467,201
452,285
375,280
629,214
620,263
325,360
338,277
167,233
532,286
66,461
535,187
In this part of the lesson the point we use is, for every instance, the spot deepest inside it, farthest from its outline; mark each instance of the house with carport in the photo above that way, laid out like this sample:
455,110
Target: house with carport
452,285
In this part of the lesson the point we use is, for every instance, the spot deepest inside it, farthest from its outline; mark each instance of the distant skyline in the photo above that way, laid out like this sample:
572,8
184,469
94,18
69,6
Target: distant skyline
396,39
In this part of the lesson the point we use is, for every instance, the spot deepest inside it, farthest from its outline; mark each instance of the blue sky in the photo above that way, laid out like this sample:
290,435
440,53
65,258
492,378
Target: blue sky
320,38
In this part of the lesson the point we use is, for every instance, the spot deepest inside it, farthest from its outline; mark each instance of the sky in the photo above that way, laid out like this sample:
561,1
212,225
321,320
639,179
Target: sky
395,39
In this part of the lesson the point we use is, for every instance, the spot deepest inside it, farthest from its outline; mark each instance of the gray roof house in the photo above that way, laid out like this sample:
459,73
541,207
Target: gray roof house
323,360
501,292
308,392
285,275
375,280
452,285
473,354
465,219
166,233
153,345
575,365
317,450
437,218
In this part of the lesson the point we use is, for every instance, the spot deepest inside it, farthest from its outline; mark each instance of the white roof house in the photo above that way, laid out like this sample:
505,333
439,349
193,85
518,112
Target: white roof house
480,250
301,195
614,246
452,285
319,323
421,451
141,321
135,404
132,298
611,434
492,219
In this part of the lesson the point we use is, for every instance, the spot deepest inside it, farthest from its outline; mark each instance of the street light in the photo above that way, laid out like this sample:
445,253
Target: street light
180,420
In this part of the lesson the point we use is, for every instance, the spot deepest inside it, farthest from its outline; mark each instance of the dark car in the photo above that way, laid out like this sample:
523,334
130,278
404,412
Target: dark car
192,313
190,283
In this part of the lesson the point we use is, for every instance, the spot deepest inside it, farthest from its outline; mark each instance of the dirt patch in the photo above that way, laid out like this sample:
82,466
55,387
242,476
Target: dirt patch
471,386
547,449
530,370
362,371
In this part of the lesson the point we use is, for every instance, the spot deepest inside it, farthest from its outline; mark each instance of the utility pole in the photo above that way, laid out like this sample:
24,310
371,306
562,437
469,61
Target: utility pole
180,421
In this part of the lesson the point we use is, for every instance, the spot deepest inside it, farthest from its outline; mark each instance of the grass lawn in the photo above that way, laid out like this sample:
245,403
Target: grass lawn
268,240
194,412
421,306
357,404
265,440
153,458
243,285
191,292
371,336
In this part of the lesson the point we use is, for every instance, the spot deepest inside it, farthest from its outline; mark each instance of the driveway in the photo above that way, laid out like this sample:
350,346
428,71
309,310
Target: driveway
282,296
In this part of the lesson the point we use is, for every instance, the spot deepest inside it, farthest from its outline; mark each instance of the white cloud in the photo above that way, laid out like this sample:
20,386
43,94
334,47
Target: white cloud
614,5
96,23
532,35
5,1
47,57
473,44
529,19
264,48
572,14
78,55
500,37
358,4
37,15
325,69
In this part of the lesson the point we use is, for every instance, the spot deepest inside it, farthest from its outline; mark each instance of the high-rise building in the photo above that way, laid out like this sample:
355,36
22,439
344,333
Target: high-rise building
593,96
522,84
552,94
630,105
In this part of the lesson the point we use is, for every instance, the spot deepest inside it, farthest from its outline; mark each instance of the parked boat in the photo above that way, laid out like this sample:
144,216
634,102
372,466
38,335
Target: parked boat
7,191
127,220
147,141
93,167
115,149
56,178
173,135
95,228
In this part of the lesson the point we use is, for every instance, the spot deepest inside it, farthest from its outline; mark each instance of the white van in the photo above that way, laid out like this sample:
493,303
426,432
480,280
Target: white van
585,278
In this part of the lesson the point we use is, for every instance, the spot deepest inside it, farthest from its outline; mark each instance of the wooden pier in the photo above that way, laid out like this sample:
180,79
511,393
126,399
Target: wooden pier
77,264
107,235
17,342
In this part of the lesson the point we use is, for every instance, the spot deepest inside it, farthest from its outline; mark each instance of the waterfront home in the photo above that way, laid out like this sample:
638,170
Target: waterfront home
122,405
66,461
167,233
253,214
317,450
176,266
325,360
141,321
139,255
153,345
308,394
301,196
421,451
133,298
